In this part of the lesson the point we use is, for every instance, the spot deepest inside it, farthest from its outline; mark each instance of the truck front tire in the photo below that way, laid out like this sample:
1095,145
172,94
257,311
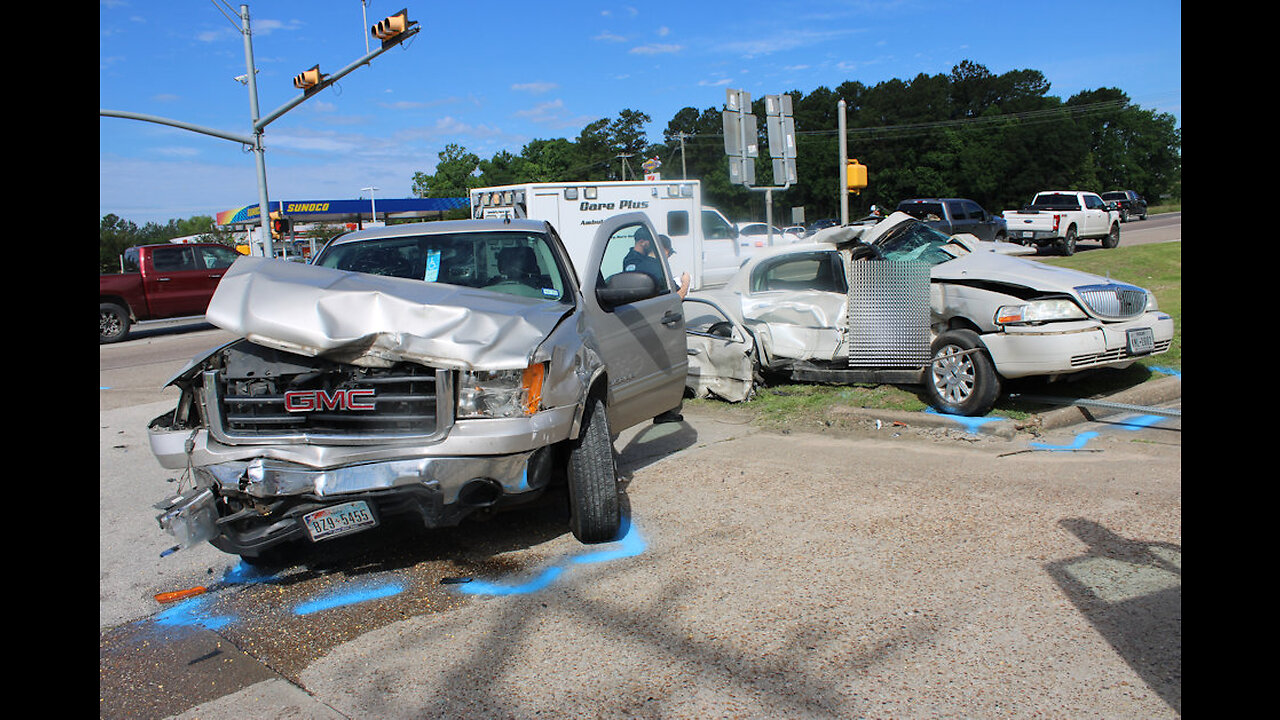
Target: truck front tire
1112,238
113,323
595,514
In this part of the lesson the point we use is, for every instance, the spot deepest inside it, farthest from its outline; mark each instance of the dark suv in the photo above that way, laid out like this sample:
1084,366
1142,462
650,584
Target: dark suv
1128,202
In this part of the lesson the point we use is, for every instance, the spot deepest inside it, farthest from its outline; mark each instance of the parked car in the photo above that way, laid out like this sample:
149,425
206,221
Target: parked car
438,369
756,234
979,315
822,224
956,215
1128,203
167,280
1058,218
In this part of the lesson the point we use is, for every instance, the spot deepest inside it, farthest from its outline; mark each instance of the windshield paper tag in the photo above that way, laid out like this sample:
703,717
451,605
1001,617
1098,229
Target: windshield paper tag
433,266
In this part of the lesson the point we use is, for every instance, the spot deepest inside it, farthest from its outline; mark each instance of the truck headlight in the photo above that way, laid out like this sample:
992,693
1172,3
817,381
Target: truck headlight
1038,311
500,393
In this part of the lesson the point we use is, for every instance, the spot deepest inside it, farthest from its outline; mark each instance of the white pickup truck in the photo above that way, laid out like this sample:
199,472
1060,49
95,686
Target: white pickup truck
1059,218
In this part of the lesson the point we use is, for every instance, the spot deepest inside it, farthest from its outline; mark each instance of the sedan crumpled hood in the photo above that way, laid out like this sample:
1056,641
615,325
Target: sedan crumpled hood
375,321
996,267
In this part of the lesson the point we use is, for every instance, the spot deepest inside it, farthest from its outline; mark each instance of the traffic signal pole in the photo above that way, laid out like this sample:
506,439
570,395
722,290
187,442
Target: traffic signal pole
392,31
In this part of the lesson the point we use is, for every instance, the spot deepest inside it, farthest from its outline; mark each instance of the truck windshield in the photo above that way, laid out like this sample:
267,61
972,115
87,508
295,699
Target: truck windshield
920,243
514,263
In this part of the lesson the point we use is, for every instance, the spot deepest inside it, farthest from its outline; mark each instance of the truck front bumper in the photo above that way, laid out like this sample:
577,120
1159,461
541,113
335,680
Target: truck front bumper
249,498
1064,348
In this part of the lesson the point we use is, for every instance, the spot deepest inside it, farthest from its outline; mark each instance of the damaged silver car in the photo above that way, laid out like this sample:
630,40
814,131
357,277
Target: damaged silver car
436,369
894,301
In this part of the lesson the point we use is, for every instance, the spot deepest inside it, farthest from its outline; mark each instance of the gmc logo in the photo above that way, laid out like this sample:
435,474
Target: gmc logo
312,400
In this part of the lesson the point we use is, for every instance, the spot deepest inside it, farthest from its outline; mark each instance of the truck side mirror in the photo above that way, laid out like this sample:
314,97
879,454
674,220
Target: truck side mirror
626,287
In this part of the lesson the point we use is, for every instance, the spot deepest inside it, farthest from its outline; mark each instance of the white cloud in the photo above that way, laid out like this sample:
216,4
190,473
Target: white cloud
656,49
535,87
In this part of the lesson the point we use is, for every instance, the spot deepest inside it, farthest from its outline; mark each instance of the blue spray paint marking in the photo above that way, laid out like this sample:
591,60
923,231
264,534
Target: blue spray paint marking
193,613
1142,421
1081,439
544,579
630,545
348,598
972,424
1165,370
245,574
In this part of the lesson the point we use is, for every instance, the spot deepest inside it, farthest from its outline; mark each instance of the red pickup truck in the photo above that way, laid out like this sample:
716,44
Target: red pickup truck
160,281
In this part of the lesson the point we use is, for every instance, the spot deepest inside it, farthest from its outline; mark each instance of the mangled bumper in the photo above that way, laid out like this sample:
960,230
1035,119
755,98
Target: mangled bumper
247,499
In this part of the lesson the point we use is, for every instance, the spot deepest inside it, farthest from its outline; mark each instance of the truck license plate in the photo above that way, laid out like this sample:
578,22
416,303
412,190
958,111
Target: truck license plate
339,520
1141,341
1028,233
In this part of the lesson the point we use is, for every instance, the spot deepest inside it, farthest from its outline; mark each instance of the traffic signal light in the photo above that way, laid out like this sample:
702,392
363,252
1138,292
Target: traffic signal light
855,178
308,79
389,28
280,227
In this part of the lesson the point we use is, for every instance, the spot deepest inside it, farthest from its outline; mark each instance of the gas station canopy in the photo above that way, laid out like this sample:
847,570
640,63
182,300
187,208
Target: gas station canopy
356,211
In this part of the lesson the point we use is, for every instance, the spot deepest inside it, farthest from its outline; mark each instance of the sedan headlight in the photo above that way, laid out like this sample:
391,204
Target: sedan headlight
500,393
1038,311
1151,302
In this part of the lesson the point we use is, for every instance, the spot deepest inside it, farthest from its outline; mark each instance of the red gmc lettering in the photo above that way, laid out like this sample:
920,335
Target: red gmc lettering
312,400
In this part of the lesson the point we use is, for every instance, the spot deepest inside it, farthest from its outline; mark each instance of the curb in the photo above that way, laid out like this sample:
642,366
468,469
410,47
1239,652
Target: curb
1154,392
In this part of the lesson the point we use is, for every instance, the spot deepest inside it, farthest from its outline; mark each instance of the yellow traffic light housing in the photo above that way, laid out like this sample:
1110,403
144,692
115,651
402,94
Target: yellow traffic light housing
308,79
389,28
855,176
280,226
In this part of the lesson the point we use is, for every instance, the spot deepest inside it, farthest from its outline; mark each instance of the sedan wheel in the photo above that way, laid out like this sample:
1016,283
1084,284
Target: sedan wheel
961,379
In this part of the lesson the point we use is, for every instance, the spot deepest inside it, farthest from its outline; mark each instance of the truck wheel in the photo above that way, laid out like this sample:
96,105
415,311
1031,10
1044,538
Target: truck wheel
595,514
1067,245
1113,238
960,379
113,323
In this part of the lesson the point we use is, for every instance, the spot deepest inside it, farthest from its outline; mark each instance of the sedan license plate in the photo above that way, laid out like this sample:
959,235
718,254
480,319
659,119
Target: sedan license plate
1141,341
339,520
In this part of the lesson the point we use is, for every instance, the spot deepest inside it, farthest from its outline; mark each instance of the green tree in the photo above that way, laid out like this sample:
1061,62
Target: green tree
454,175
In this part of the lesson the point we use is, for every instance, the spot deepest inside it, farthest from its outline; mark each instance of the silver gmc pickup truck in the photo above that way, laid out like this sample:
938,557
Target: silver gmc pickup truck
435,369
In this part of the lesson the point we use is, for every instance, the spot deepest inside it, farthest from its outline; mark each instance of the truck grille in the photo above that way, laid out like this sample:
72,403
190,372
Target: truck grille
307,400
1114,301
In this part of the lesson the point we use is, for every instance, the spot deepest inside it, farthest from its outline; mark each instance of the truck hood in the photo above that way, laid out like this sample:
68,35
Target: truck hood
376,321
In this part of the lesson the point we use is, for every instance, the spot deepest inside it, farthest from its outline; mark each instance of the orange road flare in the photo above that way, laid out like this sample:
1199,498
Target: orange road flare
167,597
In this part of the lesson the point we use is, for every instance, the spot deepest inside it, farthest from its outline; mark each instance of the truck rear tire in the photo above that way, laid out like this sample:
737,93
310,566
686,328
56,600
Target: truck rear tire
960,379
1067,245
113,323
595,514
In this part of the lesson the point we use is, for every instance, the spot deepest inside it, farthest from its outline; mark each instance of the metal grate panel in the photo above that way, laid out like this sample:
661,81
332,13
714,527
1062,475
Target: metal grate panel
888,314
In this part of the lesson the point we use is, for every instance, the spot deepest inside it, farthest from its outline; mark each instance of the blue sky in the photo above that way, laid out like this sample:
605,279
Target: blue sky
494,75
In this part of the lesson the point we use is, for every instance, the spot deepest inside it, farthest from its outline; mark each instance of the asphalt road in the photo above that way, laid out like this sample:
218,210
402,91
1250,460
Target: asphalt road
869,566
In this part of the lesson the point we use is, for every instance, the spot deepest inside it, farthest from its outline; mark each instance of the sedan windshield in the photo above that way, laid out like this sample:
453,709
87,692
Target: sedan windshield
514,263
920,243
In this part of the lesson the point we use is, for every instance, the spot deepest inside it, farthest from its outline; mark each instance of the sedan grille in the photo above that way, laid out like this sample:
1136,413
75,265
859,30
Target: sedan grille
1113,301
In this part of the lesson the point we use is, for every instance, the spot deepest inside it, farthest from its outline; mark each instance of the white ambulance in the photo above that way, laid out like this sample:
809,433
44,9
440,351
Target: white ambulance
705,243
